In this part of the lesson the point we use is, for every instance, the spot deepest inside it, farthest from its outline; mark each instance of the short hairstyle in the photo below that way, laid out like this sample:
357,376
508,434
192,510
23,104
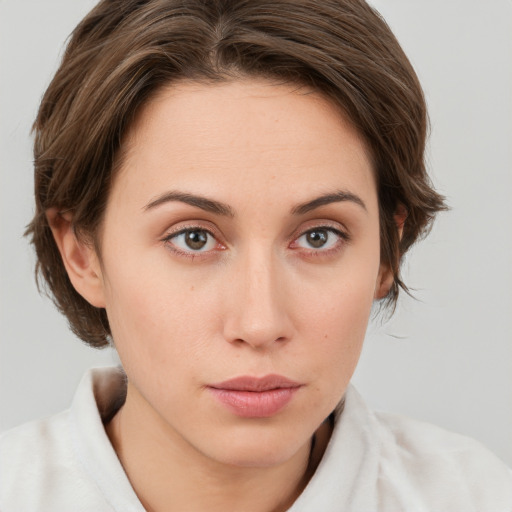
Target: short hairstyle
124,51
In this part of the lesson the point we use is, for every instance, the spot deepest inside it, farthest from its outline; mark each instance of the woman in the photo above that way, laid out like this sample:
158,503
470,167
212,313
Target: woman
223,189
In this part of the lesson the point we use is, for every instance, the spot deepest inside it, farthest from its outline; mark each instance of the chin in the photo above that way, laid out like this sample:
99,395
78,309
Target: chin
255,458
259,449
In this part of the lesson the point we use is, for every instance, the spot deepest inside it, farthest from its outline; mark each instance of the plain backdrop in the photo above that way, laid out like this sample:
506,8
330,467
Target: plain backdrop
446,357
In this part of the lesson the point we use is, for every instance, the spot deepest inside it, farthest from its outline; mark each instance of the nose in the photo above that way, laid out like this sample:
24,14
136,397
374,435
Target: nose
257,312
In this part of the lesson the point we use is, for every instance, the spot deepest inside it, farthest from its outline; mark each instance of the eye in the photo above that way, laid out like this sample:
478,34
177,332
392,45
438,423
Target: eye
192,240
323,238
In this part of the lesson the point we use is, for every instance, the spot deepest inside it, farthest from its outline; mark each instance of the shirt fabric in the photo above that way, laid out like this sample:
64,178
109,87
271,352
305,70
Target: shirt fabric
373,462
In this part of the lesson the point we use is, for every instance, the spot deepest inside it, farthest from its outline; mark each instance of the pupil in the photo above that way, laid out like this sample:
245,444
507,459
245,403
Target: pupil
196,239
317,238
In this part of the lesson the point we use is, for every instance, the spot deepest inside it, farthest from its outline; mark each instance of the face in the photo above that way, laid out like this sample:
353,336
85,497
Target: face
240,241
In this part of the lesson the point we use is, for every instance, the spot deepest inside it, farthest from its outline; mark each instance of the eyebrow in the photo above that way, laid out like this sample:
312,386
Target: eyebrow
213,206
336,197
209,205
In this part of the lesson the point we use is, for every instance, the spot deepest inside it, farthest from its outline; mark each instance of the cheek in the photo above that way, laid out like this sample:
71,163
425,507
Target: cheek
341,297
338,326
157,315
333,319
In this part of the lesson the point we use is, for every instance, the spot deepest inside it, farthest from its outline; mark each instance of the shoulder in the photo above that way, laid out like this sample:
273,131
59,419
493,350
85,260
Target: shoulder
41,469
66,462
36,446
445,468
38,462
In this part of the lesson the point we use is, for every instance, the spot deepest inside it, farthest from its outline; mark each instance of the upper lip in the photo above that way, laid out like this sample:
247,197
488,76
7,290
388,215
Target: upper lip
248,383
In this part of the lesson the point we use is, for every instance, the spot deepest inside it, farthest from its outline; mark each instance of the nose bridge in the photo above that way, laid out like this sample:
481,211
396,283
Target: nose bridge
257,316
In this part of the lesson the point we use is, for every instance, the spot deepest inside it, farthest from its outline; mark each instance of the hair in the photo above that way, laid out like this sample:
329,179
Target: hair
124,51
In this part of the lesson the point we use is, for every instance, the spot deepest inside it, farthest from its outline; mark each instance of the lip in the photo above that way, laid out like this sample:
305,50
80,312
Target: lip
255,397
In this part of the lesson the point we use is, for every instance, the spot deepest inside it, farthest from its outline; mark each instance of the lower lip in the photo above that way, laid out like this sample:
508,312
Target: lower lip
255,404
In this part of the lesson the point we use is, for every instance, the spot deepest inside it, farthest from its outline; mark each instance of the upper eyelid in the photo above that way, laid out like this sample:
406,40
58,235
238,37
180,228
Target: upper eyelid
192,227
184,230
329,227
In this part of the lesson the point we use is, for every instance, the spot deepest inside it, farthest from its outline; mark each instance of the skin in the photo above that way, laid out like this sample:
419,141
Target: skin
259,298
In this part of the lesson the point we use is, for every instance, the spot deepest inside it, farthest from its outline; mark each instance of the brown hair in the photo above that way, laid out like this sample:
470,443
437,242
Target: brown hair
125,50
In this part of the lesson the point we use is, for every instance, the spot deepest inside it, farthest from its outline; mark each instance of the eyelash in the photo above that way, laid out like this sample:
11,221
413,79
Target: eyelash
344,238
187,254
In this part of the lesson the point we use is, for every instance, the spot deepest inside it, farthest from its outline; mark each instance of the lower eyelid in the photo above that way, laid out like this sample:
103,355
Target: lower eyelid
342,239
190,253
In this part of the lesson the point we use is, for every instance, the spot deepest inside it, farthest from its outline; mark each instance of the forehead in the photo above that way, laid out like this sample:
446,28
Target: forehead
242,135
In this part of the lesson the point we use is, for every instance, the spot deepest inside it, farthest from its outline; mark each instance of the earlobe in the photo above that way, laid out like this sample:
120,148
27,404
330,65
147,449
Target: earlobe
79,258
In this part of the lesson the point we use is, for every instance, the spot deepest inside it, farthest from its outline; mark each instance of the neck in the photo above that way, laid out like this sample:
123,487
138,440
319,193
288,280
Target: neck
167,473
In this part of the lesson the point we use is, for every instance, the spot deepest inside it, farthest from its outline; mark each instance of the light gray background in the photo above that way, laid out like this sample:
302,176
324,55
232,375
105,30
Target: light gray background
446,358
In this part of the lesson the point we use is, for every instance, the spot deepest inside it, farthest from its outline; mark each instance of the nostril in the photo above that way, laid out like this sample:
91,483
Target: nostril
259,342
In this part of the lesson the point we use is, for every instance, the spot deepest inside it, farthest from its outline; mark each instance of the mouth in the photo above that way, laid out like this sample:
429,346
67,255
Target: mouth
255,397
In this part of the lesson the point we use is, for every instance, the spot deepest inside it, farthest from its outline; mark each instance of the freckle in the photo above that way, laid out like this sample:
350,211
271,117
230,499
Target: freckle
325,336
192,288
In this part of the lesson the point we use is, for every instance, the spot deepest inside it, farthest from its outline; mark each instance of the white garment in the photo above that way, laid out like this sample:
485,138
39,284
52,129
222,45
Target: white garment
374,462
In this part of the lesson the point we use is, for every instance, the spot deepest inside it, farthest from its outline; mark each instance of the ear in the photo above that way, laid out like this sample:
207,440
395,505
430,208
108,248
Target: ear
385,278
384,281
79,258
400,217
